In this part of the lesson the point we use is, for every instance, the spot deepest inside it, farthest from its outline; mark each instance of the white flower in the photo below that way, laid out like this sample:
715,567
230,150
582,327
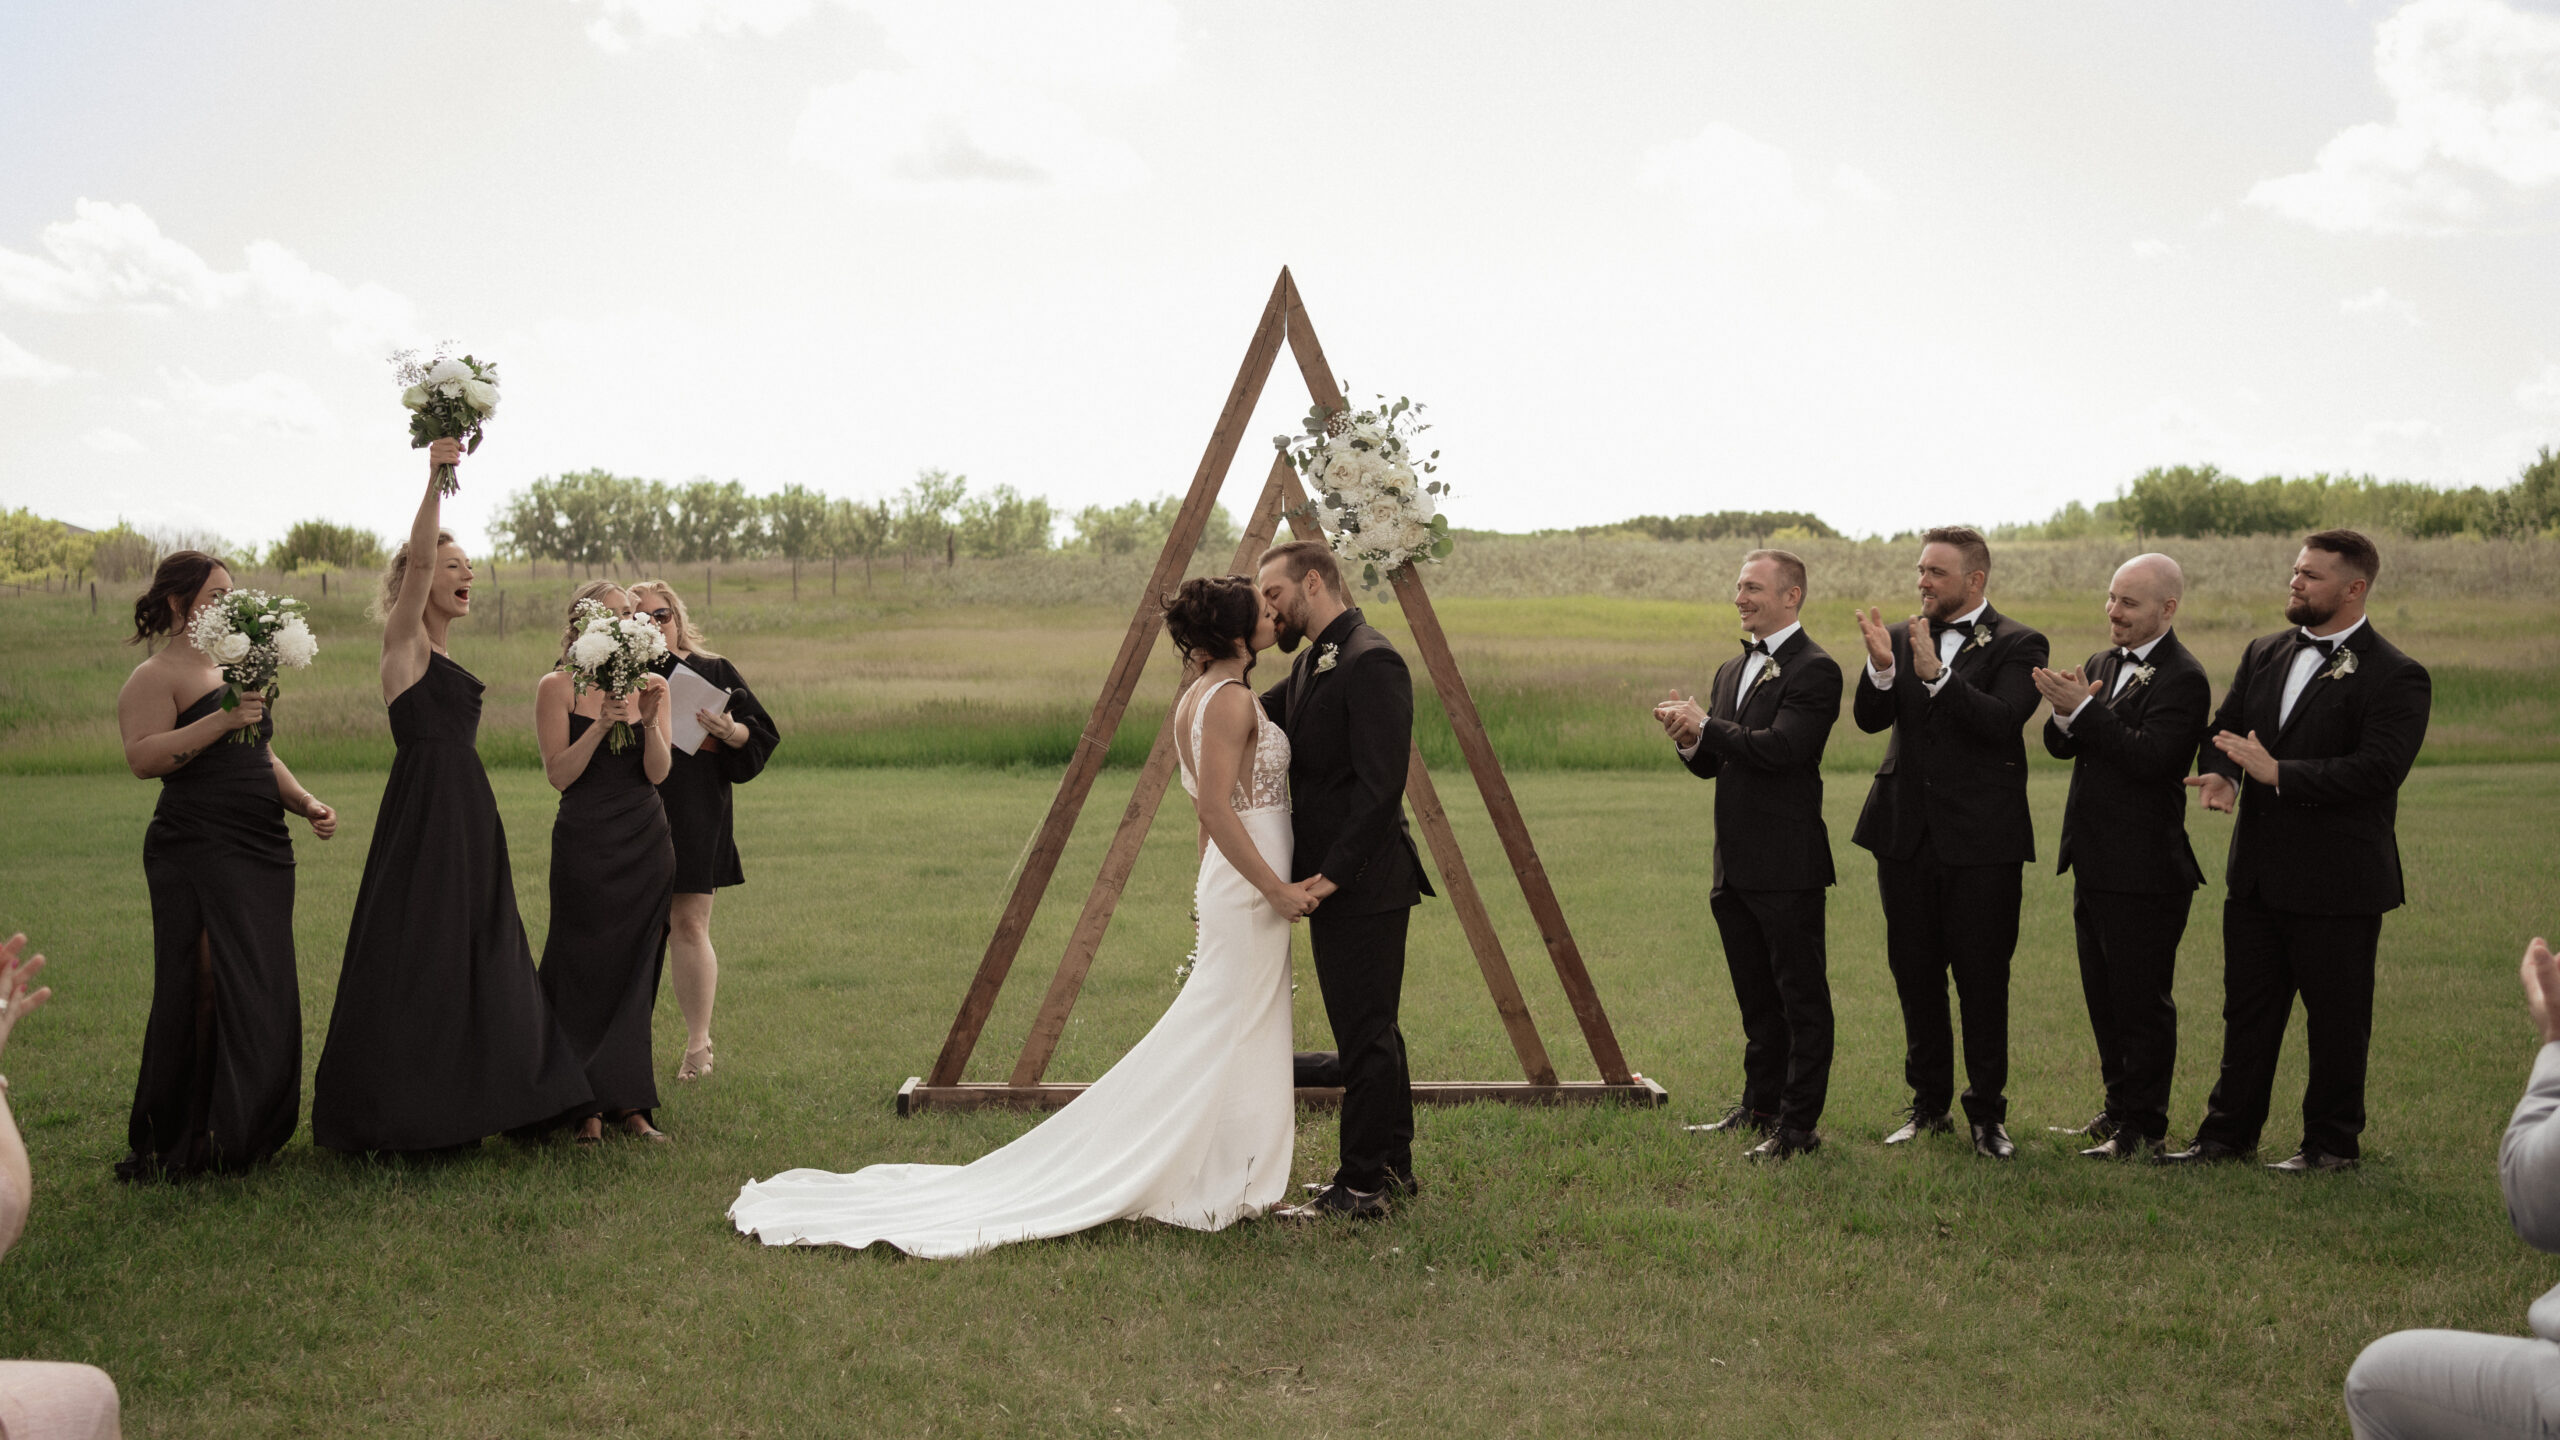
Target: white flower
448,372
1425,504
482,395
295,644
231,649
592,648
415,397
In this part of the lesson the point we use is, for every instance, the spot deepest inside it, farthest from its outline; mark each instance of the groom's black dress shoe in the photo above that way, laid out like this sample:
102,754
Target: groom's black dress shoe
2308,1161
1338,1200
1918,1125
1400,1186
1735,1119
2127,1144
1785,1143
1991,1141
2203,1152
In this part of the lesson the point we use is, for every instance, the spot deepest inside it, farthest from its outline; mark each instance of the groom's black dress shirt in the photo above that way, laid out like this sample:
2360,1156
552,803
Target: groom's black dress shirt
1348,709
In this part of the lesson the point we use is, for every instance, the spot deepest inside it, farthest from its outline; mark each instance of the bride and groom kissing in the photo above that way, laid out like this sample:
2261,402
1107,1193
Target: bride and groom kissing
1300,796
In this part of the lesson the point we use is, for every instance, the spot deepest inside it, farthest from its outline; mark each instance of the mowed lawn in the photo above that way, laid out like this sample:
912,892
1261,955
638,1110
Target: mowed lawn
1569,1272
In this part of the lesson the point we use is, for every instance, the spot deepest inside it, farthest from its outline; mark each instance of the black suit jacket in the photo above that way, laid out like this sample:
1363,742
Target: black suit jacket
1350,727
1764,751
2323,838
1955,771
2125,824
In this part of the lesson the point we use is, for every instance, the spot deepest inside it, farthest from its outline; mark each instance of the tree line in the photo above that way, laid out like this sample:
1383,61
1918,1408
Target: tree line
2195,500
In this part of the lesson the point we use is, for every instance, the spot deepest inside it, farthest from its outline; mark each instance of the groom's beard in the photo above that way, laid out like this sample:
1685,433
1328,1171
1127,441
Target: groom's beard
1288,639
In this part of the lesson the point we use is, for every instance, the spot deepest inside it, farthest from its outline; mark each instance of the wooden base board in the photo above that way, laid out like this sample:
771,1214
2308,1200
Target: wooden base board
916,1096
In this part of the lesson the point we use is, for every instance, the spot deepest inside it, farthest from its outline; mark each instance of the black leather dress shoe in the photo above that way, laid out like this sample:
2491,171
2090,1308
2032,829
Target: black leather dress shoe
2100,1126
1918,1125
2308,1161
2126,1144
1785,1143
1991,1141
2203,1152
1398,1186
1735,1121
1338,1202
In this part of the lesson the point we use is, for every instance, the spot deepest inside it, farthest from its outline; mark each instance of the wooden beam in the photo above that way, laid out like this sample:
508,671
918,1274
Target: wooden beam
1094,745
915,1096
1122,858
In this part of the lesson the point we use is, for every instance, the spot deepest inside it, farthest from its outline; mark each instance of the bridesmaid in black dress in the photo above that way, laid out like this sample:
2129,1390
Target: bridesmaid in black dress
440,1035
221,1082
696,791
613,873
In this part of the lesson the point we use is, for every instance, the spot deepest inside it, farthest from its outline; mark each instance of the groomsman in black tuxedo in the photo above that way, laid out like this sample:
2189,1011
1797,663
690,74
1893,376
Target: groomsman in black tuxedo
1947,821
2312,741
1760,739
1348,709
2128,721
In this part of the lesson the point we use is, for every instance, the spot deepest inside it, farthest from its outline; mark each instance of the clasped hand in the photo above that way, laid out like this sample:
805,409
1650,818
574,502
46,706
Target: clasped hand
1298,899
1680,718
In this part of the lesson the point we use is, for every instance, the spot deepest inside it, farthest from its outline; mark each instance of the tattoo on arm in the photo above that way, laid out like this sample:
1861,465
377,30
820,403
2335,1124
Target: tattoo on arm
182,757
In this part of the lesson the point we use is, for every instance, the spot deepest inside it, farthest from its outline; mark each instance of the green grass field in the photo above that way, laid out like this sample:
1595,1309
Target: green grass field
1569,1272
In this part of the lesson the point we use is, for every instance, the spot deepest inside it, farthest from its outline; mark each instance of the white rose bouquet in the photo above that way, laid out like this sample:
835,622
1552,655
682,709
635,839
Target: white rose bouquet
449,398
612,654
1370,495
253,636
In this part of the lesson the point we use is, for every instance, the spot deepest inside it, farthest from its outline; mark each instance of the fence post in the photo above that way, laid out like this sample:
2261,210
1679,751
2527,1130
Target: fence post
93,597
502,614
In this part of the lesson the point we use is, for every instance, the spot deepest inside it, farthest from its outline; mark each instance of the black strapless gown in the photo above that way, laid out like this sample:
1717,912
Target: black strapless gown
221,1082
440,1036
696,790
613,873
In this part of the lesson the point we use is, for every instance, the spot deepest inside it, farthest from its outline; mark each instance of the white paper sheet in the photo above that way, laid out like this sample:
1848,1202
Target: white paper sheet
687,694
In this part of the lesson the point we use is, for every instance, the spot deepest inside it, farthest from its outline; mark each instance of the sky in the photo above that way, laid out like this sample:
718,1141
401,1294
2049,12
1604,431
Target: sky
1896,264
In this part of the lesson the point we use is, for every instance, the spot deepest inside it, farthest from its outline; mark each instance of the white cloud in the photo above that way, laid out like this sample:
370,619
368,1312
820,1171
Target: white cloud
957,133
1729,182
112,442
2475,92
109,256
17,362
267,401
2379,303
2540,392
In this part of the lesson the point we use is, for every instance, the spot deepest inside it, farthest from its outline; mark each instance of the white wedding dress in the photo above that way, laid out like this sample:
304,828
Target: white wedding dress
1195,1126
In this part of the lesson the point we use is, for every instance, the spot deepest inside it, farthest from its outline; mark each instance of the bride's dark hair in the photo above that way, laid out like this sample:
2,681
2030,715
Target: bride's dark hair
1213,613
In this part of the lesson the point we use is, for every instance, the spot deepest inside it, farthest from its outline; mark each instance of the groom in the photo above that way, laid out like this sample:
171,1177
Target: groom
1348,709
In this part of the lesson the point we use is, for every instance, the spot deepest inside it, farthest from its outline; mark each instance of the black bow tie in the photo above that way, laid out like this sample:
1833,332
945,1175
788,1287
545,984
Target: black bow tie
2126,656
1941,627
1754,645
2326,648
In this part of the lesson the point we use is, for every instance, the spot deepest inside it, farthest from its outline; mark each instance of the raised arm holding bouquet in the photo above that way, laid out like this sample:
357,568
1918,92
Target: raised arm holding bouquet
449,398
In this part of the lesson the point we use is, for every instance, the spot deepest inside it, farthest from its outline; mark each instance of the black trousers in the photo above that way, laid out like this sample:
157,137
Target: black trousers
2268,957
1773,944
1960,920
1360,969
2128,966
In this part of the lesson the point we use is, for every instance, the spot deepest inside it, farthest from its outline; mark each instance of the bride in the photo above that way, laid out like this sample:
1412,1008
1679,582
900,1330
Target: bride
1196,1125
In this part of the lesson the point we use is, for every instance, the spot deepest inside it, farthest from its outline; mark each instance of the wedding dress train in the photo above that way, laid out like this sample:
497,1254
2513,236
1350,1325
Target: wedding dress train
1194,1127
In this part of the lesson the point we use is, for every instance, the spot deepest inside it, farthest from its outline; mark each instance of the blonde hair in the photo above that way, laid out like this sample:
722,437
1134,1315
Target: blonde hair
691,637
570,628
395,572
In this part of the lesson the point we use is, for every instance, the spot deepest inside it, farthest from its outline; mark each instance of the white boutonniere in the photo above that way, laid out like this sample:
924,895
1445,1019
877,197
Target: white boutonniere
1981,634
1769,672
1327,658
2342,667
2141,676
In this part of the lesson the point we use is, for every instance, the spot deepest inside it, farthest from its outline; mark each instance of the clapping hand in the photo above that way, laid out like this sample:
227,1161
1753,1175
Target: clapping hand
2252,756
1879,640
618,709
1680,718
2542,988
652,700
16,1003
1924,650
2065,690
2214,791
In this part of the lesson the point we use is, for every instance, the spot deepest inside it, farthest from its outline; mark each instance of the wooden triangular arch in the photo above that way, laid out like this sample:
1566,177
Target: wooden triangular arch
1283,317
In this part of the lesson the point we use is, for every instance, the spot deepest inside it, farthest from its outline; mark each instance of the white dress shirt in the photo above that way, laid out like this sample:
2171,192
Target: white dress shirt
1949,642
2124,677
1752,665
2308,662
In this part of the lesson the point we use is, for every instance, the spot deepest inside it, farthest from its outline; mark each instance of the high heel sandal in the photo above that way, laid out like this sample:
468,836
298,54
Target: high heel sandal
647,1131
693,1068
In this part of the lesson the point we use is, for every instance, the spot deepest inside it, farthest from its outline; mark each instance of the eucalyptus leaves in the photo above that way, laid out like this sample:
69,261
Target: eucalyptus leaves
252,635
449,398
1377,510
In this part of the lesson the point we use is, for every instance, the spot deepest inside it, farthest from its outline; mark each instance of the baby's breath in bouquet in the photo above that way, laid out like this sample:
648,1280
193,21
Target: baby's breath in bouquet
449,398
612,653
252,635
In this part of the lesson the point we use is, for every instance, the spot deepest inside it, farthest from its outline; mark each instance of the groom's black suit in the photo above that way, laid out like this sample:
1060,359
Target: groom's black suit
1348,709
1771,865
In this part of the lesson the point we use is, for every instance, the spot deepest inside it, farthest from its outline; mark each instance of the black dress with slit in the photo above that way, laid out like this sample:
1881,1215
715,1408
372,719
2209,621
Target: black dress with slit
221,1082
440,1035
696,790
613,871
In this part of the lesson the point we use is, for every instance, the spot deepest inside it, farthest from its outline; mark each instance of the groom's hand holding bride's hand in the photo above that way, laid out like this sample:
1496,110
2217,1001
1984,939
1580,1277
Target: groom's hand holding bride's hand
1298,900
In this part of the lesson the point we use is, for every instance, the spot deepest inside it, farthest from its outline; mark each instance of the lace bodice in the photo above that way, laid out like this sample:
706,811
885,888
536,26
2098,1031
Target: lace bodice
1267,788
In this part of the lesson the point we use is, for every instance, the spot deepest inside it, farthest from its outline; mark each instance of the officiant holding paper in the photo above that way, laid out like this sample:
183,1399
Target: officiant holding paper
736,736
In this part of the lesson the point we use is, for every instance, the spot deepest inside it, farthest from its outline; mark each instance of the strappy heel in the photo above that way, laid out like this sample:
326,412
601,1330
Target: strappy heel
697,1063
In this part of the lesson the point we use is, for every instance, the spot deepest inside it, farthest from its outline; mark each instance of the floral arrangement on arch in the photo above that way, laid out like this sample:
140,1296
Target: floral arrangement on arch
252,636
612,653
1378,511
